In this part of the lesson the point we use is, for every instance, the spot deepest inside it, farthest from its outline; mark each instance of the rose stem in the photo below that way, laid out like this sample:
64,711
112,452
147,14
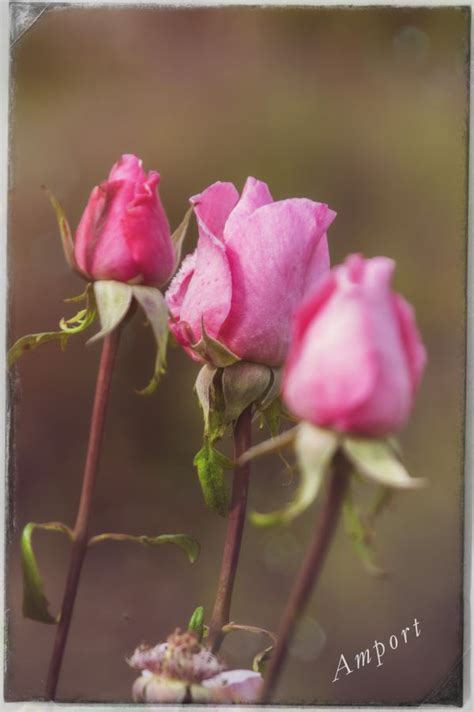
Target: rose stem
235,529
81,527
309,572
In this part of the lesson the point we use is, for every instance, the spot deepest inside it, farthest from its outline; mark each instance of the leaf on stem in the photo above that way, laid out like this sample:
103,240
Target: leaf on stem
188,544
314,448
211,466
153,304
32,341
35,603
377,461
113,301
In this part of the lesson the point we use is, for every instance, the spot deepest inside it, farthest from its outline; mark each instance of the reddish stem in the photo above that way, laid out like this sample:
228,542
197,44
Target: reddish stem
235,529
81,527
309,573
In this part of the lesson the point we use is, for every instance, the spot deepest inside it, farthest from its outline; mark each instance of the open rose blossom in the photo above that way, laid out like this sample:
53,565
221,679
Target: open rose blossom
124,234
356,357
183,670
254,262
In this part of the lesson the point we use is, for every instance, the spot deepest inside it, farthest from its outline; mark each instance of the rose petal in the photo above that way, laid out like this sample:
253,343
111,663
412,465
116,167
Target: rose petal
270,255
332,369
129,167
99,236
411,338
179,285
213,206
147,233
254,195
390,403
209,291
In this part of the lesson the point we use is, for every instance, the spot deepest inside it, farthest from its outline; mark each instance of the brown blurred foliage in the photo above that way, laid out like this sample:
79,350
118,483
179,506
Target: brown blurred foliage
364,109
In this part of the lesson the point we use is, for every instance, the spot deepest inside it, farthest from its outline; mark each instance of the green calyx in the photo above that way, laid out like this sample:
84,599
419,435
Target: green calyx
374,460
224,393
111,301
67,328
314,448
212,351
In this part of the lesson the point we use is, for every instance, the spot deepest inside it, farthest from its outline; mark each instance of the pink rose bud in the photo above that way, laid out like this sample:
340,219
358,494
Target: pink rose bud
356,357
124,234
254,262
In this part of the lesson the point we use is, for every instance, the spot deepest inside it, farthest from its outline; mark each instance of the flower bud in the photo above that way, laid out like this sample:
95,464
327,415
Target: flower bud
254,262
124,234
356,357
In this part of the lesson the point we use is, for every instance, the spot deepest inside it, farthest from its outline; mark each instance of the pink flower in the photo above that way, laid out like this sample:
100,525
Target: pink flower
124,234
356,357
183,670
255,260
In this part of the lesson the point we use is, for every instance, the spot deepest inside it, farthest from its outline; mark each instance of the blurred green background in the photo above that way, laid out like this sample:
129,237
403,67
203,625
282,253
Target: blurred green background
363,109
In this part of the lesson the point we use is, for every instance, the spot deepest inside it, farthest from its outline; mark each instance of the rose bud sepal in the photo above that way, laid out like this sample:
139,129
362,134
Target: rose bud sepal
224,394
375,460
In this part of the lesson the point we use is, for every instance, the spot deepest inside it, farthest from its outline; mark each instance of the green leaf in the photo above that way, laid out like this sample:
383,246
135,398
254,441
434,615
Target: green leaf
32,341
211,466
196,622
314,448
177,238
113,301
189,545
376,460
360,535
153,304
35,603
